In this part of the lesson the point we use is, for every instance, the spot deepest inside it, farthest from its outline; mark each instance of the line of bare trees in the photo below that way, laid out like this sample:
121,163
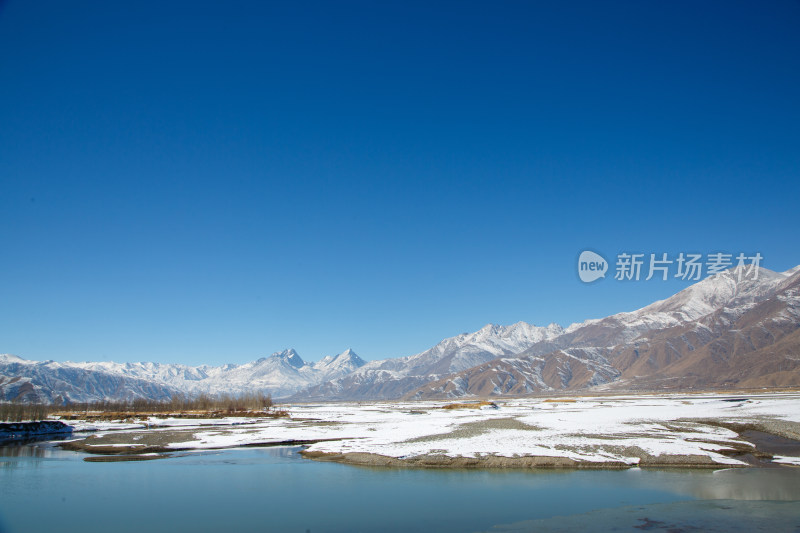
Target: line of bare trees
251,401
18,412
226,403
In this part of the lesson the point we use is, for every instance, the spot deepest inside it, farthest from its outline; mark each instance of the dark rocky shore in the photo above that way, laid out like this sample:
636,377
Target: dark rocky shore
10,431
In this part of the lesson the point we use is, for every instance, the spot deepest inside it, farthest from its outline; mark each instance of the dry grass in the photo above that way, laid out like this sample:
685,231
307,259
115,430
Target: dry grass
470,405
202,406
559,400
193,414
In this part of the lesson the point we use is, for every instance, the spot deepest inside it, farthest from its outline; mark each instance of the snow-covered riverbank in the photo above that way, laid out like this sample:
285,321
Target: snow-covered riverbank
677,430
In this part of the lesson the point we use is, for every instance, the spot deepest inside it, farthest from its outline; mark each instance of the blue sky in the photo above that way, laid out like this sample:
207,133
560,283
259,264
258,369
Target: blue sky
200,182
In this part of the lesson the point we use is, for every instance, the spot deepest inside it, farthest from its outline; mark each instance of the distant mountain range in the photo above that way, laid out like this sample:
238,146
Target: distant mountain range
281,374
722,332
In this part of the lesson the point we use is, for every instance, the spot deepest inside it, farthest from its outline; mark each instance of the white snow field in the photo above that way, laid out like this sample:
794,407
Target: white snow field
593,430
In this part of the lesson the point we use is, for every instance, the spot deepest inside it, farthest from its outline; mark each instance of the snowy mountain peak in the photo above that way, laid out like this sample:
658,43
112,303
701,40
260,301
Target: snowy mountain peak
348,357
9,358
486,331
525,356
792,271
347,360
351,356
554,329
718,291
289,356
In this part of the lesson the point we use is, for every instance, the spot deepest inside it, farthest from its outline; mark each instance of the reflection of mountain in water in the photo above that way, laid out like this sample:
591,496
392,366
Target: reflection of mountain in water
704,515
749,484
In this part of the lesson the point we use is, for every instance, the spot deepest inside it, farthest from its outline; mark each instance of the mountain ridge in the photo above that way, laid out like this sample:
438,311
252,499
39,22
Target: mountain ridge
647,348
280,374
740,330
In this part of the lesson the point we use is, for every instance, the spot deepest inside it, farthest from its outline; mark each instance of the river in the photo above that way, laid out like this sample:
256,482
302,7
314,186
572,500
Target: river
44,488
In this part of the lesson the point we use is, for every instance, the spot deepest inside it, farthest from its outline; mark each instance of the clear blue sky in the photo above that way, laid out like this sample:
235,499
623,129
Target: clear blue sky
209,182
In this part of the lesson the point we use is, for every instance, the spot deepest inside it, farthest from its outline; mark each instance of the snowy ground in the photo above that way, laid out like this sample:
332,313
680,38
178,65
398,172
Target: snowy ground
621,429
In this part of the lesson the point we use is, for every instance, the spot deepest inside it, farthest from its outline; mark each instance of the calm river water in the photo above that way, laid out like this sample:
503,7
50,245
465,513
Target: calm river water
43,488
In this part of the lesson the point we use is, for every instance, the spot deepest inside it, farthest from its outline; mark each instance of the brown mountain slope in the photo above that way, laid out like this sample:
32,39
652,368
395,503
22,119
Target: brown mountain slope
719,333
761,348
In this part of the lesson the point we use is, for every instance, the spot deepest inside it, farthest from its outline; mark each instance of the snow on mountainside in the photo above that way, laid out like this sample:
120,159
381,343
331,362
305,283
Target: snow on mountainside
717,332
281,374
576,357
391,378
335,366
49,381
696,301
726,330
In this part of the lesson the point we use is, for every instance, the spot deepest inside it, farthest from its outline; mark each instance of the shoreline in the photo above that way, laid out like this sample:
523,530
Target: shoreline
754,452
712,431
138,452
529,462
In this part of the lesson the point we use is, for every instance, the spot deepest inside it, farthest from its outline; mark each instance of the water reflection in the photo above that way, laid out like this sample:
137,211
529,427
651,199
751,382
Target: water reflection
782,483
22,449
750,484
710,516
29,453
278,487
6,443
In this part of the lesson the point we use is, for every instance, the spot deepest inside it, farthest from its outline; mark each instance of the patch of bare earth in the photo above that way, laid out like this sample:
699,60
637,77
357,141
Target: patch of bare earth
473,429
748,450
142,445
445,461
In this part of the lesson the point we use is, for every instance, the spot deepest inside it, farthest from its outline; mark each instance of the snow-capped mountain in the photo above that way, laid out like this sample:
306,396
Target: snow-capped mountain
724,331
336,366
392,378
280,374
49,381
